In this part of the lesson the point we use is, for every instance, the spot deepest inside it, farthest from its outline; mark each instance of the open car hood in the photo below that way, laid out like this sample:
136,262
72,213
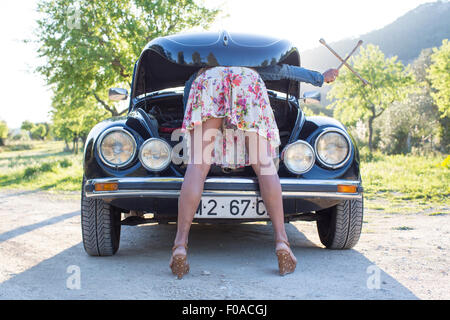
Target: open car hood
167,62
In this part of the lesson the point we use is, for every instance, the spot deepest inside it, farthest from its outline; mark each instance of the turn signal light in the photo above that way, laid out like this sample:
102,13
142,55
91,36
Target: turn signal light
346,189
106,186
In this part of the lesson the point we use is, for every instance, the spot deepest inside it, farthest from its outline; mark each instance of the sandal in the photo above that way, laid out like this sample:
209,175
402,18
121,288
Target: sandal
179,263
285,262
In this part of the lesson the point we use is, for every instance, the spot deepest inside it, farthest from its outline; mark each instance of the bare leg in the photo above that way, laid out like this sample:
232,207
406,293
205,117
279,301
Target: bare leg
192,187
270,187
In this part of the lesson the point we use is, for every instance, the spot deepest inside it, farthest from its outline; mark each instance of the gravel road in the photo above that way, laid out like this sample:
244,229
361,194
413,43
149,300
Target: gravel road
399,256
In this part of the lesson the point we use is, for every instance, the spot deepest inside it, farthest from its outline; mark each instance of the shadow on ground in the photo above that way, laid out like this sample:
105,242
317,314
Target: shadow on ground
18,193
29,228
227,262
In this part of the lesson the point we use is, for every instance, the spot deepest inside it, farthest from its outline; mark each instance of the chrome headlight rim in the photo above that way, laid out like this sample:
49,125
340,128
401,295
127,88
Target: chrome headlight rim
142,149
349,152
287,164
99,149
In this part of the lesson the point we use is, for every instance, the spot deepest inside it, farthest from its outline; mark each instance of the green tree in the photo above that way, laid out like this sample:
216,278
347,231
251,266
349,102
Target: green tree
90,46
438,126
39,131
420,66
409,124
389,82
3,132
414,123
27,125
439,75
73,119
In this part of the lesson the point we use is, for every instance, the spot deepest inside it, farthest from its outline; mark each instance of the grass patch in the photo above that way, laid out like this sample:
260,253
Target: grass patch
65,163
45,166
405,177
16,147
433,214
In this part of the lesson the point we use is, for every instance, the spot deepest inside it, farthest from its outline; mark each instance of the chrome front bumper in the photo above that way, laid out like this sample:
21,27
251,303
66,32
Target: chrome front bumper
169,187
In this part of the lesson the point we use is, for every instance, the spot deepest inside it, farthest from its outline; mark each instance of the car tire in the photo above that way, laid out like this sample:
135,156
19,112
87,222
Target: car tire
100,226
340,226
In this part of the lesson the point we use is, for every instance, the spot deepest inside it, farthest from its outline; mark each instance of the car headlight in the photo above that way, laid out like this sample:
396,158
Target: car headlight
298,157
155,154
117,147
333,148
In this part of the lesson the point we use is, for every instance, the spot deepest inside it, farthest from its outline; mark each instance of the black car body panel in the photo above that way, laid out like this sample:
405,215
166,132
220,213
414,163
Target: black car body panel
167,62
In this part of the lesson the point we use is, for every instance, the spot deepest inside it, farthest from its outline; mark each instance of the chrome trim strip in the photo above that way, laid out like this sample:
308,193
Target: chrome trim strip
290,181
217,193
224,193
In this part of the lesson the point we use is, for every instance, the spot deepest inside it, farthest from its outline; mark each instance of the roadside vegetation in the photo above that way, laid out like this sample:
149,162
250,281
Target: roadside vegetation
43,165
407,177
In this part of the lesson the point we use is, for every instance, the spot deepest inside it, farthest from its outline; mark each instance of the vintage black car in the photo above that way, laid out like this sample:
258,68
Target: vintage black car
130,176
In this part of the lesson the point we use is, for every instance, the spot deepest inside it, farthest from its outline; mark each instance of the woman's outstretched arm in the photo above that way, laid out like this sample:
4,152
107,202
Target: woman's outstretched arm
285,71
279,72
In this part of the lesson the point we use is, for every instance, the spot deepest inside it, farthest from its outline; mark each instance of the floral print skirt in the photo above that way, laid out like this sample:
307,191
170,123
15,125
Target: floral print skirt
239,96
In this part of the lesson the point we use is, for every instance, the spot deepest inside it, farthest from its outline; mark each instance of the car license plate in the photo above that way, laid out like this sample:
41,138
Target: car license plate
231,208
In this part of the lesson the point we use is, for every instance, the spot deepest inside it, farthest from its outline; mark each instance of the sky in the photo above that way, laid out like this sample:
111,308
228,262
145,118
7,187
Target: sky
26,96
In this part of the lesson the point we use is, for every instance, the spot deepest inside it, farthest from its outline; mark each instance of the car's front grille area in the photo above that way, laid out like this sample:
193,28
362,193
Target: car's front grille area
217,171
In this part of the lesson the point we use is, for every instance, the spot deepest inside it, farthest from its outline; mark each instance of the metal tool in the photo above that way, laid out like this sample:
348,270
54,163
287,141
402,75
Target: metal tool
360,42
344,62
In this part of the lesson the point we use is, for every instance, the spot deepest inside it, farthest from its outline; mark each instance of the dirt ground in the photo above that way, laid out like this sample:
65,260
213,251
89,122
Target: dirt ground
399,256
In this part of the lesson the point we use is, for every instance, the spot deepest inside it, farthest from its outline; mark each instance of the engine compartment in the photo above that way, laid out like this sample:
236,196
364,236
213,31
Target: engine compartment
166,112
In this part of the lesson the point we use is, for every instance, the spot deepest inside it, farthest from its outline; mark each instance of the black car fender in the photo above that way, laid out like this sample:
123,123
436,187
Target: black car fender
312,127
93,167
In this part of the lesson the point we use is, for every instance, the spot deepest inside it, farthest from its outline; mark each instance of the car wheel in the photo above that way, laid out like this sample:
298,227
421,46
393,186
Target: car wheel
100,226
339,227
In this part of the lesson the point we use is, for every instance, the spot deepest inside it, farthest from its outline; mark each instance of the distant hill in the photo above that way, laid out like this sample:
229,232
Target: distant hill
421,28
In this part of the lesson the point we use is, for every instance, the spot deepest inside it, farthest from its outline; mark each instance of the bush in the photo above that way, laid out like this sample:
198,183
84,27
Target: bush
30,172
48,166
44,167
366,156
65,163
